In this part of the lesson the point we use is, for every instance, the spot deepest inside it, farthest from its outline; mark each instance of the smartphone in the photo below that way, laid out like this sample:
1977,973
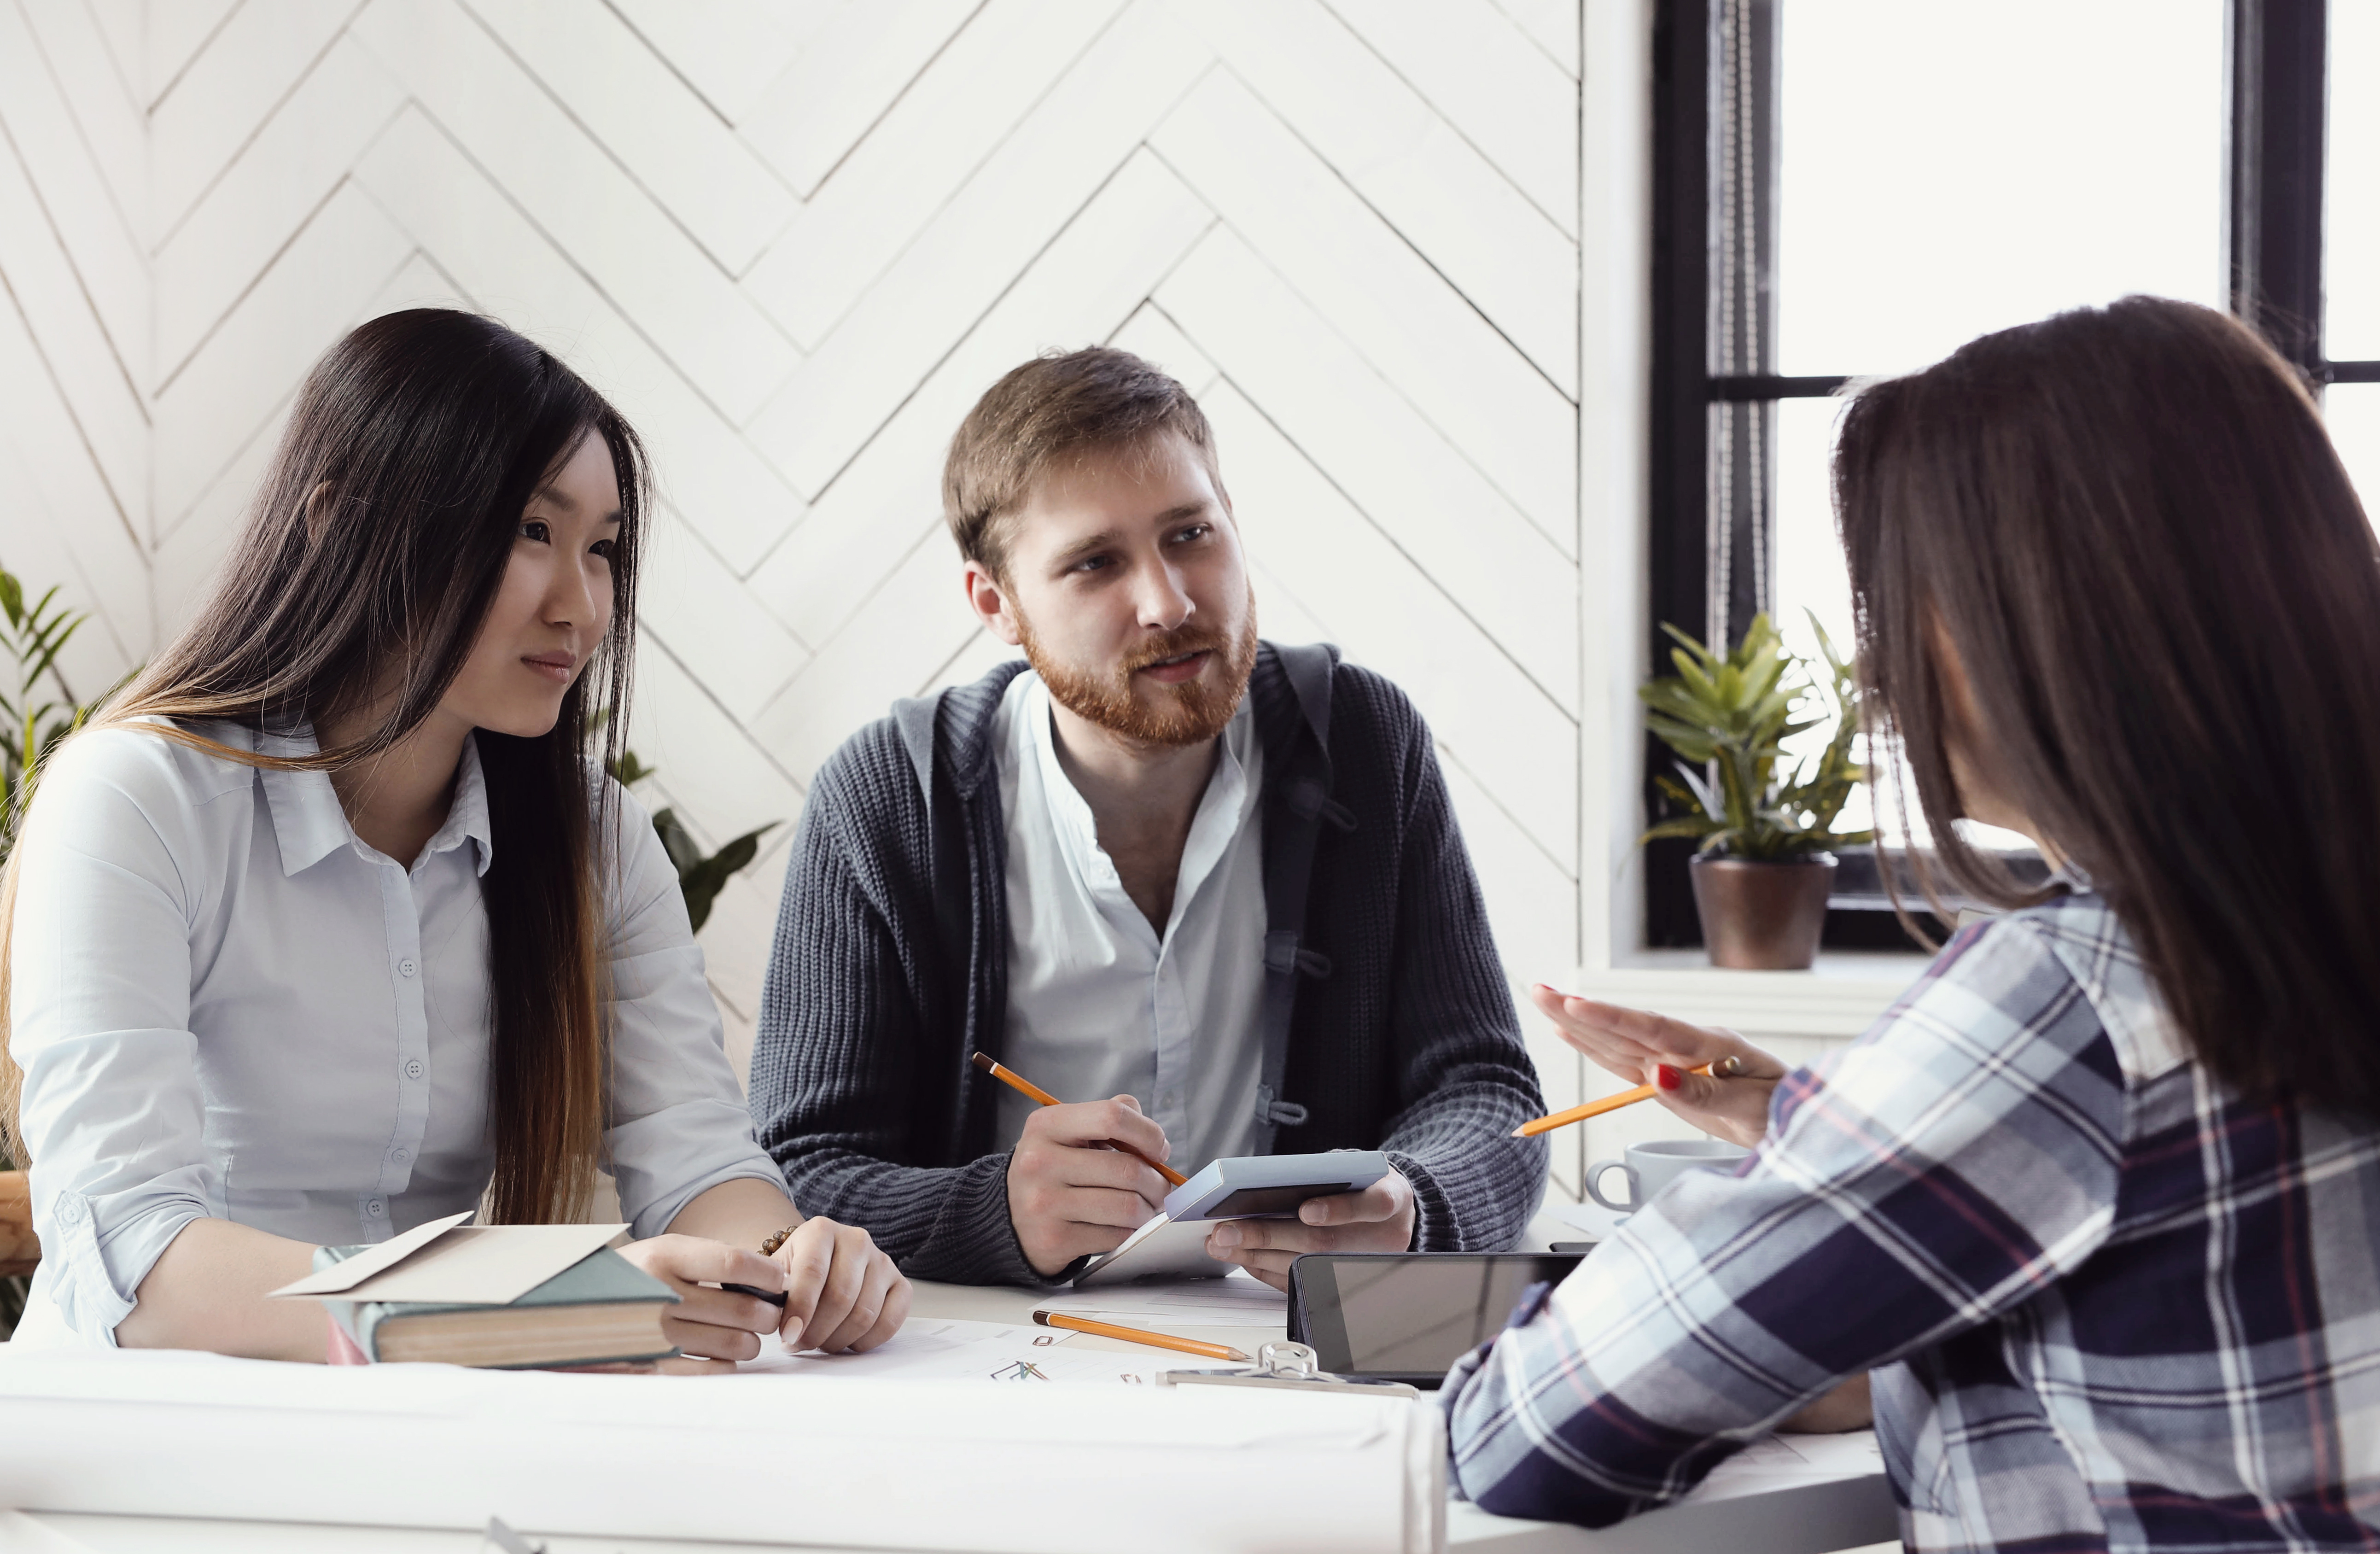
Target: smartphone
1408,1316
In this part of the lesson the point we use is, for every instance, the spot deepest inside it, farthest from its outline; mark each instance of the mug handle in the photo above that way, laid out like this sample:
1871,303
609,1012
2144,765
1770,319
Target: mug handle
1594,1175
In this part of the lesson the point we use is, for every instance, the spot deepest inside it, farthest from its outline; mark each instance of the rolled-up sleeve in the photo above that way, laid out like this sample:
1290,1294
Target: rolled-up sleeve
99,1013
676,1124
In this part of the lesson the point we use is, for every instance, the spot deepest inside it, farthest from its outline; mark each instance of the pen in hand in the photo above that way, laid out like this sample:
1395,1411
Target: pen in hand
1025,1086
1725,1068
768,1247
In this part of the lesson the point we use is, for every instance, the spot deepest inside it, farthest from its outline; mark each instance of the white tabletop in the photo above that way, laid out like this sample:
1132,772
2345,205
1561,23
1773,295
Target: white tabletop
1807,1518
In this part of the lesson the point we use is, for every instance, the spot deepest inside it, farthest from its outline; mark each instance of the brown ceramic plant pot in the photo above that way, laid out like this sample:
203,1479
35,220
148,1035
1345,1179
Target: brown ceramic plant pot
1763,916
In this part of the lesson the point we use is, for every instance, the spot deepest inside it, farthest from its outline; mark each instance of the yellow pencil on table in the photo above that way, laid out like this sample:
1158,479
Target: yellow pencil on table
1139,1335
1025,1086
1724,1067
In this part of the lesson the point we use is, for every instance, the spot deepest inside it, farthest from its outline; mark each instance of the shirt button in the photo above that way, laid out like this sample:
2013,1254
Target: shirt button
375,1209
405,968
400,1156
71,1209
413,1068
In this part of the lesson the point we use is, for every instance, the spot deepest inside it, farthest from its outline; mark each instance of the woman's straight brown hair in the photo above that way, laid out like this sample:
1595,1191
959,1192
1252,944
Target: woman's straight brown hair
369,561
2131,528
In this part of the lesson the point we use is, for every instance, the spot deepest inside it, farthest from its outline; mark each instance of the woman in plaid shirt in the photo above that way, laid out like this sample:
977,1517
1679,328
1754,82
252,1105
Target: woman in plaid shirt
2097,1205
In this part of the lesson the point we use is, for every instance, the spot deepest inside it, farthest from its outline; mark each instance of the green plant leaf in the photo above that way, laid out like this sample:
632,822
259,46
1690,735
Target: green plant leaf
684,853
629,770
1730,715
702,883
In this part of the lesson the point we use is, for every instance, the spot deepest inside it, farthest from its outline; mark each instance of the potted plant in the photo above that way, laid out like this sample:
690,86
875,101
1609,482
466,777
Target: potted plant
1764,832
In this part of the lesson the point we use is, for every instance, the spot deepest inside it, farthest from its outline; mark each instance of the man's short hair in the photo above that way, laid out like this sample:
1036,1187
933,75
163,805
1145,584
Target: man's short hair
1045,416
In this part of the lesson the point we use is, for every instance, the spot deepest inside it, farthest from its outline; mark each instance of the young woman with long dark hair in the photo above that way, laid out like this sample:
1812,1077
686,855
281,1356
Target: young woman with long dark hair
2097,1202
333,925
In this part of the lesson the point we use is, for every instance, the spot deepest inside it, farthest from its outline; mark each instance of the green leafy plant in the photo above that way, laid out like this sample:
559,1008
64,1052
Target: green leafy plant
32,636
700,876
1728,716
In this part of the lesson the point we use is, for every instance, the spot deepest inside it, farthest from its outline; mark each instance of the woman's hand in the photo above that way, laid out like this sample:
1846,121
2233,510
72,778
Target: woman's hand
1636,1045
841,1292
712,1326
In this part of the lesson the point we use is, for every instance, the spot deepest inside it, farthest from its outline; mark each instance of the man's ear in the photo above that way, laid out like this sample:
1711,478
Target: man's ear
988,597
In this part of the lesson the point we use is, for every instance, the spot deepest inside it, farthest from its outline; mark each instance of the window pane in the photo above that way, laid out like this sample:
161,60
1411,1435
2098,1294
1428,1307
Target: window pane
1945,170
2352,224
2353,410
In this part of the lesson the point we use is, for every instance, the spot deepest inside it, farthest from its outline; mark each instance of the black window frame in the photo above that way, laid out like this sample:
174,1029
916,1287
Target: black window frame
1713,239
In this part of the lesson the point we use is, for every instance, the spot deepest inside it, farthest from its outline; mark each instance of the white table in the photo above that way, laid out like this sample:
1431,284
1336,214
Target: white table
1809,1519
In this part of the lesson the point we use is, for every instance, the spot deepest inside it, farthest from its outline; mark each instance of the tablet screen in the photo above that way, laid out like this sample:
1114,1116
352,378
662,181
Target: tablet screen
1410,1315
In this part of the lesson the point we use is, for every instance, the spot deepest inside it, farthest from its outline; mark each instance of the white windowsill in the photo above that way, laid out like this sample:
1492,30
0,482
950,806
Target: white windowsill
1839,997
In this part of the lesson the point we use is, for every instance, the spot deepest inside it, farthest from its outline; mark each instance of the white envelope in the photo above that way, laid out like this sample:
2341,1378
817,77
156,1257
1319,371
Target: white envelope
449,1263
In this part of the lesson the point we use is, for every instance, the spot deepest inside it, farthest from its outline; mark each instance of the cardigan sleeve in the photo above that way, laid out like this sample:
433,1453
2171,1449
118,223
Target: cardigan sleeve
1462,1066
840,1088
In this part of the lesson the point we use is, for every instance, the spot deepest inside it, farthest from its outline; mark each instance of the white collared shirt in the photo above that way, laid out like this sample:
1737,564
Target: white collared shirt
1098,1003
229,1005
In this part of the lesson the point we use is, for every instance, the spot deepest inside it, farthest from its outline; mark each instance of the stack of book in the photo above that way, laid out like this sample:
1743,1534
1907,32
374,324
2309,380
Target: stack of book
503,1296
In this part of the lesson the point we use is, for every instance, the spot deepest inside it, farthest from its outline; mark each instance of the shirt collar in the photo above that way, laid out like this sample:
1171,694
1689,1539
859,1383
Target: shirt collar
309,825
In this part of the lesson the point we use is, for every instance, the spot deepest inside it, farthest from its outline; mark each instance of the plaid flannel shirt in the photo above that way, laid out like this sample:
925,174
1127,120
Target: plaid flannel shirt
2106,1303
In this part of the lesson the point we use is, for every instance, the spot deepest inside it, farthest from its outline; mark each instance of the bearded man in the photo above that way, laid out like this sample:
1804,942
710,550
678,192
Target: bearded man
1214,881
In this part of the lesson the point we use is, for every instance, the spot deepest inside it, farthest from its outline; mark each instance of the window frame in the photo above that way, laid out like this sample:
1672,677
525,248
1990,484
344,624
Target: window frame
1714,100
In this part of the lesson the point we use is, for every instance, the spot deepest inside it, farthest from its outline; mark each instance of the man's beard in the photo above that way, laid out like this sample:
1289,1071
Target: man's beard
1183,714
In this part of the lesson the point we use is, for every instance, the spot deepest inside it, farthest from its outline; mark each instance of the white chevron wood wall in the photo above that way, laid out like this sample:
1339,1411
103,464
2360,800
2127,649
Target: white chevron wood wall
795,239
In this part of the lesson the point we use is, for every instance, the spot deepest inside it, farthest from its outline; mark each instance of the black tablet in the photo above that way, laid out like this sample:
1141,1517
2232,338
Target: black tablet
1408,1316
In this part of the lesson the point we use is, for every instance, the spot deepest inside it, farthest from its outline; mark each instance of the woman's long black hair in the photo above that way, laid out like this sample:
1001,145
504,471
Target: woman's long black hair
368,562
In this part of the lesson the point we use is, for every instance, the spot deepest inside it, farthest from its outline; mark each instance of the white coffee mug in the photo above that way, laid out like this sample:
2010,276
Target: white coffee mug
1651,1167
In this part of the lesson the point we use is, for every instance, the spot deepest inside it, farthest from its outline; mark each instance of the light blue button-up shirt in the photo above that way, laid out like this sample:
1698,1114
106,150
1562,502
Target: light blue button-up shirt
226,1004
1099,1003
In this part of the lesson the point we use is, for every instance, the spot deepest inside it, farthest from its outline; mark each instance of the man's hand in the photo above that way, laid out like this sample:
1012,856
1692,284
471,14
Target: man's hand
841,1292
1379,1219
713,1328
1068,1195
1635,1044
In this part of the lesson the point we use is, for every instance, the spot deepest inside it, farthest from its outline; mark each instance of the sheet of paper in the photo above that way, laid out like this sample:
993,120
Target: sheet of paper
958,1349
1240,1301
1162,1248
1598,1222
1783,1461
481,1265
356,1269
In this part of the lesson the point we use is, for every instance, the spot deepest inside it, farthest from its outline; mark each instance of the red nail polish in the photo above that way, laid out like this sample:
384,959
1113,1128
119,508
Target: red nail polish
1666,1077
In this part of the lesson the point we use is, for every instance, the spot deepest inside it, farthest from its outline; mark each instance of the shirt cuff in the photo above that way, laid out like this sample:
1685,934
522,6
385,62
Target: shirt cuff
100,1258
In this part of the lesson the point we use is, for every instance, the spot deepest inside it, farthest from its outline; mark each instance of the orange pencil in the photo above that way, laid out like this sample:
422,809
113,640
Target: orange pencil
1025,1086
1138,1335
1608,1103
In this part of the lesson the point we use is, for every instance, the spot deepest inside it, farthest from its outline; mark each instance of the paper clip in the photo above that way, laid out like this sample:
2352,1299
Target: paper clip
1289,1366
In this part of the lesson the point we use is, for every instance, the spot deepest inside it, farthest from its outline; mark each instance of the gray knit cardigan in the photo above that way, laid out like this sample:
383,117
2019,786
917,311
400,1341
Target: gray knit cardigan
1388,1024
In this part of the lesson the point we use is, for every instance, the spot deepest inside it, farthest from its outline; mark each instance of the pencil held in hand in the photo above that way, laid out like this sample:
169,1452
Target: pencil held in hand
1025,1086
1724,1068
